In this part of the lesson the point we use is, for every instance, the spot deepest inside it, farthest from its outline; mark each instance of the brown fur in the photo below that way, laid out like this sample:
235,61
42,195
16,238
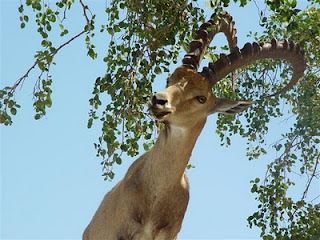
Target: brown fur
151,200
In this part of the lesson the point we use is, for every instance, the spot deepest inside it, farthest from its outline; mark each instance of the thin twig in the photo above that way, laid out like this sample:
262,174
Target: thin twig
311,178
315,198
85,8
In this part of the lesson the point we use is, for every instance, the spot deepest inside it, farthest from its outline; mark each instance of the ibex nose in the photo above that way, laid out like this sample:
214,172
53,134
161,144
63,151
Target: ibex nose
158,101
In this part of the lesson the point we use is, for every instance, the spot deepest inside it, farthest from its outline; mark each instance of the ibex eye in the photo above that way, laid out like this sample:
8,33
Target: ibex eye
201,99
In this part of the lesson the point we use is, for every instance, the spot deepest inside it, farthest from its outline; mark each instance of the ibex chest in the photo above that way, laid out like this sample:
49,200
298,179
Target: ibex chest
160,215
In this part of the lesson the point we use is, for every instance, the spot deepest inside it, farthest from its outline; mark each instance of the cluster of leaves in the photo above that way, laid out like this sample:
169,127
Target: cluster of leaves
7,106
146,37
300,147
42,98
255,81
279,214
48,17
290,219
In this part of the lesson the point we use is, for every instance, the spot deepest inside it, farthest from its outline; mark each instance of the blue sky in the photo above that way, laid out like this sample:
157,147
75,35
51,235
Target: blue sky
51,182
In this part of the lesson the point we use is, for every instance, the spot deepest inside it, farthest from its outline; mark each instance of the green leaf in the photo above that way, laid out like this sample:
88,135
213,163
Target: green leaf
254,188
11,103
20,9
118,160
243,3
90,121
48,27
111,175
13,111
157,70
2,119
190,166
91,53
44,43
52,18
37,116
41,66
48,103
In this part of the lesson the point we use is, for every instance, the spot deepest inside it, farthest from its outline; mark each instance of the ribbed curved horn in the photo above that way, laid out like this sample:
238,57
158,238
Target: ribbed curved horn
216,24
250,53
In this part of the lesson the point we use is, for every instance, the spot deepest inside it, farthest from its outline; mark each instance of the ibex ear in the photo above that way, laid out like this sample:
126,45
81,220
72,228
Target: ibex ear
228,106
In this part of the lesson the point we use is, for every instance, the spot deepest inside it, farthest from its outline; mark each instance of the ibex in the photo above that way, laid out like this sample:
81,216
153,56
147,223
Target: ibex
152,198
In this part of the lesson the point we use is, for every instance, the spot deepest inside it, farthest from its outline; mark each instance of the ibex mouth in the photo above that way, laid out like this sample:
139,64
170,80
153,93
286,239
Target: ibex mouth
158,114
161,114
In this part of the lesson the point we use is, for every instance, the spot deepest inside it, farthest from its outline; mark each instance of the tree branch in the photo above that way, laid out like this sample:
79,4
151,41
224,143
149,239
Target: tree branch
20,81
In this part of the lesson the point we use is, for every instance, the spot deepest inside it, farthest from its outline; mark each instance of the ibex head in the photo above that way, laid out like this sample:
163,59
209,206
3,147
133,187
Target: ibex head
188,97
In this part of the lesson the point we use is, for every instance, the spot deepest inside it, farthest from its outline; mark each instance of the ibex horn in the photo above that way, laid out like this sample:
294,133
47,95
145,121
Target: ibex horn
250,53
197,48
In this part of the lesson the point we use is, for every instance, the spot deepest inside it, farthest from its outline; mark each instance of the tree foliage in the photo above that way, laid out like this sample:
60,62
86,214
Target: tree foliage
146,37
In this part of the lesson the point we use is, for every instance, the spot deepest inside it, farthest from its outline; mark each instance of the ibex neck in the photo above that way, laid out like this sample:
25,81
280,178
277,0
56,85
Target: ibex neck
171,153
